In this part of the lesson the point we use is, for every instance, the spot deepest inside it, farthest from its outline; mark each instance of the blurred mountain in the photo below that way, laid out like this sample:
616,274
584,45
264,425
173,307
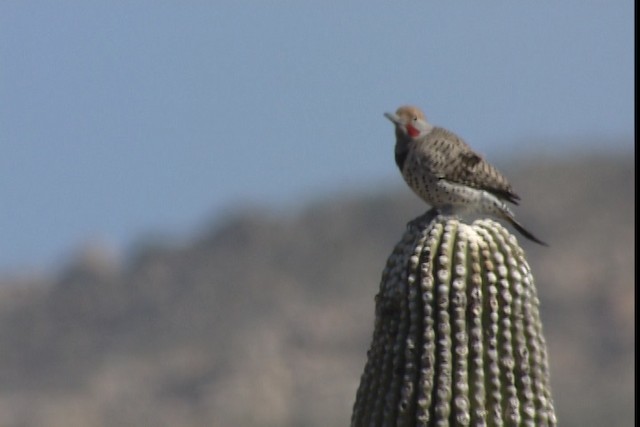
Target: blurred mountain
265,320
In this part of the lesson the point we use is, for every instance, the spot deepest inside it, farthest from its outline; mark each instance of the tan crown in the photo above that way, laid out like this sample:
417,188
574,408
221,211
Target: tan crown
407,112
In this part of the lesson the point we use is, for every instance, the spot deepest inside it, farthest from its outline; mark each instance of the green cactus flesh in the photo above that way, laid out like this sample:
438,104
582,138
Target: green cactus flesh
457,337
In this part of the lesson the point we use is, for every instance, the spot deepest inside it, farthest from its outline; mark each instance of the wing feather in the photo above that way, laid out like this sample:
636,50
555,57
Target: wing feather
449,157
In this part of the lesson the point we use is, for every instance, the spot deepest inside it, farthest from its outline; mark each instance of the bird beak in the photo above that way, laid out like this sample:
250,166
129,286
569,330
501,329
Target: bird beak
393,117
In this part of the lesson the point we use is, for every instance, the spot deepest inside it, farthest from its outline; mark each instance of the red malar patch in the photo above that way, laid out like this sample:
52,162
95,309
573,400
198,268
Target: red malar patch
413,132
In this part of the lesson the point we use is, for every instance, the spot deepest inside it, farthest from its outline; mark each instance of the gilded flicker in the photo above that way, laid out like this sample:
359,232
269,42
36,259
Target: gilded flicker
447,174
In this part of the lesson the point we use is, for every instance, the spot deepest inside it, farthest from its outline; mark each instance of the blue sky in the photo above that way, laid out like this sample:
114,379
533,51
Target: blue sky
120,119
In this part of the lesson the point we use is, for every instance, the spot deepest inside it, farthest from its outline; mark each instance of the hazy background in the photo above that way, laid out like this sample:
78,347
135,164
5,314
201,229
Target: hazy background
197,198
122,119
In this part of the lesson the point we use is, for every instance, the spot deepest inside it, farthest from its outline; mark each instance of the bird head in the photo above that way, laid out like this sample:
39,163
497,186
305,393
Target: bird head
410,122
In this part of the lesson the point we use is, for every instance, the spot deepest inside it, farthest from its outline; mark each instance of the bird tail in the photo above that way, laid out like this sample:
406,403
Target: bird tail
526,233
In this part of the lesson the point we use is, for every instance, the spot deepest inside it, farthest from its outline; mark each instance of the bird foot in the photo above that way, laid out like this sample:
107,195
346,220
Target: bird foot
425,218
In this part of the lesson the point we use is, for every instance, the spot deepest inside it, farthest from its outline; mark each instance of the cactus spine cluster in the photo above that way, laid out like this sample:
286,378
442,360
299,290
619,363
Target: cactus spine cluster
457,338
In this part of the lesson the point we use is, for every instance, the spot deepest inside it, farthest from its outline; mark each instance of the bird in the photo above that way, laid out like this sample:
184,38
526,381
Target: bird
444,171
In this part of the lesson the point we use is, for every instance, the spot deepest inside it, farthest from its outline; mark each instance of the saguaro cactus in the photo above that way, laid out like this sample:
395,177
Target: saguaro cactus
457,337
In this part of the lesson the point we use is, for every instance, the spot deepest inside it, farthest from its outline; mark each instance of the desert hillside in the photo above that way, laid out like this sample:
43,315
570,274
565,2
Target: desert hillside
264,320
